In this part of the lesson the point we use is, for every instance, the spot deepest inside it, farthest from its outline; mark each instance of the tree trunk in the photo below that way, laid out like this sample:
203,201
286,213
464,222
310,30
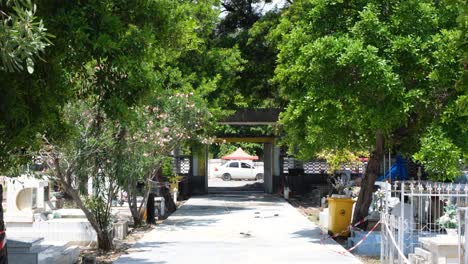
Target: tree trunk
168,202
372,172
150,217
135,215
104,241
136,219
4,250
133,205
165,192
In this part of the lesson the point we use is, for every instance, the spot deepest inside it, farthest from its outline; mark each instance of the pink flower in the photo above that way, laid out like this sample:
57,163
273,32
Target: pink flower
166,129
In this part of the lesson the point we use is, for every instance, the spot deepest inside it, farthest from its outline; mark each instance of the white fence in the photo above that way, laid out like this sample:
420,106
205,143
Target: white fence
411,231
462,217
392,235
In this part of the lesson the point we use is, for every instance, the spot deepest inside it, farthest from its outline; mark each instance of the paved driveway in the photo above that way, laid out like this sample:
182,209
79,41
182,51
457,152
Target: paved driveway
222,229
217,185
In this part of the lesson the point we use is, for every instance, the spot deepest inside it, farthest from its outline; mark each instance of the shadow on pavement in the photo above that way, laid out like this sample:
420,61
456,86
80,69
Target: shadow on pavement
140,249
315,236
185,223
257,198
203,210
127,259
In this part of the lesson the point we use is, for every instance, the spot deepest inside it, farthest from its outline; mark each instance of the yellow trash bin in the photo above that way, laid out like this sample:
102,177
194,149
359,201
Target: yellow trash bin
340,212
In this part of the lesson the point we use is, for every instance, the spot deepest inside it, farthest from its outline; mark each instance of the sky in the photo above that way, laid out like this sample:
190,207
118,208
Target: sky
264,6
273,4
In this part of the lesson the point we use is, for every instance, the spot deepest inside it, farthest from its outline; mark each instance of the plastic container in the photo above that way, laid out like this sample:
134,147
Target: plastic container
340,213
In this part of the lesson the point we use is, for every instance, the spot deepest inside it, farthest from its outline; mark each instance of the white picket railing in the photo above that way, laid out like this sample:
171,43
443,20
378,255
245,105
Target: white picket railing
404,225
392,235
462,215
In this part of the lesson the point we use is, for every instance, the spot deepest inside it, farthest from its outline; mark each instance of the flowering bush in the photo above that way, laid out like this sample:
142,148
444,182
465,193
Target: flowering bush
449,219
167,120
378,200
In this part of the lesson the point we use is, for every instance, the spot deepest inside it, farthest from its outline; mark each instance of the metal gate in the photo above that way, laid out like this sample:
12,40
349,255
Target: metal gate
182,166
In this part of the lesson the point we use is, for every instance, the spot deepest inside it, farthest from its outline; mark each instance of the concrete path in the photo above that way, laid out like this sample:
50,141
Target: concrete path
217,185
240,229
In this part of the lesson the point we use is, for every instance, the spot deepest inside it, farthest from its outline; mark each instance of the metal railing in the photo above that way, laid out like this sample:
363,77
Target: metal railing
417,218
462,217
392,239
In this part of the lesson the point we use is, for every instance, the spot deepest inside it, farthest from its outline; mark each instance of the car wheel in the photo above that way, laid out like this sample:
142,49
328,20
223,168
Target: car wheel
226,176
259,176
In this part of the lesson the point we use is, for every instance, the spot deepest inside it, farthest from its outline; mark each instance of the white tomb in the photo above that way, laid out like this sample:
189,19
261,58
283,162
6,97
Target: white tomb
26,196
28,204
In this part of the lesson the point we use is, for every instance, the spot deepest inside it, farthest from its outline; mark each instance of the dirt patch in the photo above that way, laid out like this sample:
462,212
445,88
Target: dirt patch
369,260
120,246
305,207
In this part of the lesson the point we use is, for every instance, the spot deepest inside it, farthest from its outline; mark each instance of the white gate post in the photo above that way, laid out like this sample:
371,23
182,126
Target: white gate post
465,251
401,223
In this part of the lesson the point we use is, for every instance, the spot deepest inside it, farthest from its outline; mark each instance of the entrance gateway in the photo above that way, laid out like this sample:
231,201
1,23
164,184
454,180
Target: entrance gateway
197,175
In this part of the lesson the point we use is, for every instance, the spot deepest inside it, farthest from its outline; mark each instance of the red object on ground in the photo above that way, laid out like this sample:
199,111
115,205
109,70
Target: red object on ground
239,154
3,239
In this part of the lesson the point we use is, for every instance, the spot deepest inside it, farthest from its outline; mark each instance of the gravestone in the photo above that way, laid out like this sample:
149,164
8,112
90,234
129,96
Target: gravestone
24,250
26,196
120,229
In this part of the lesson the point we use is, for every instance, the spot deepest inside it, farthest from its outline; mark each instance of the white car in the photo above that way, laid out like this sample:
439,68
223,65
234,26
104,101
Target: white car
238,170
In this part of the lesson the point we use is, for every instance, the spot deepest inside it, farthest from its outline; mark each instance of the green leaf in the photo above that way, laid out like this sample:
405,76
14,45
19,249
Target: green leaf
30,65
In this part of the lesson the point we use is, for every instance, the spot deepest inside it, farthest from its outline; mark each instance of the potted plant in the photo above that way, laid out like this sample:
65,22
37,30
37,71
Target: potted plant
449,219
378,200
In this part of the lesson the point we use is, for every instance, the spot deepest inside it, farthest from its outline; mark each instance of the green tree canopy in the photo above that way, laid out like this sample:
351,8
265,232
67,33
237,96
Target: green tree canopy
361,73
23,36
27,104
243,27
109,59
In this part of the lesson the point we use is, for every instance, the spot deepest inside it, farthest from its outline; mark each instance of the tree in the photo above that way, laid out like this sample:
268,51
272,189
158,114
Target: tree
366,76
243,28
23,38
156,130
86,152
111,58
445,142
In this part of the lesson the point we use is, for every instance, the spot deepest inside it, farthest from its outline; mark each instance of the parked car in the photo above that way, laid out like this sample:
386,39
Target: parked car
238,170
